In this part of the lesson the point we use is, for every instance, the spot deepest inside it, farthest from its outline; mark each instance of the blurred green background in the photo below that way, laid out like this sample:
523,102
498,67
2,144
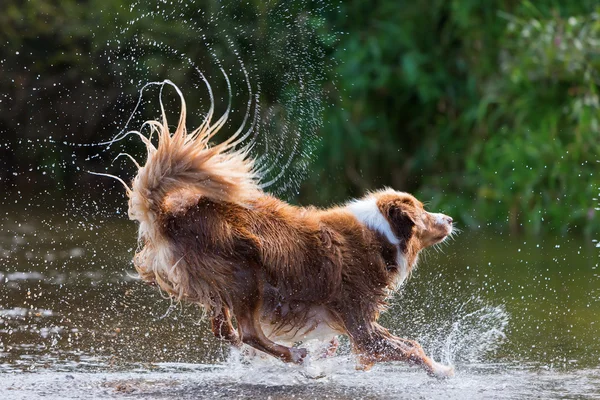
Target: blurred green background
486,110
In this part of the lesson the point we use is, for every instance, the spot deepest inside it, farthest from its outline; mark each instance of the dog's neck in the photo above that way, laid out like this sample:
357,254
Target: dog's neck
369,215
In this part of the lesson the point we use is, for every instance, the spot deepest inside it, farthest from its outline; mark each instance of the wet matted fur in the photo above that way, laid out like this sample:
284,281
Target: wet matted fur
285,274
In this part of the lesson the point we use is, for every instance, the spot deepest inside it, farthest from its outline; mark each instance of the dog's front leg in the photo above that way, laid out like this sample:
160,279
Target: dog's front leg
373,343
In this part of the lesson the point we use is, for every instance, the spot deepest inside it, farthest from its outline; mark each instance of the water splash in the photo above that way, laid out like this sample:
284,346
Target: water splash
451,331
287,93
475,332
472,335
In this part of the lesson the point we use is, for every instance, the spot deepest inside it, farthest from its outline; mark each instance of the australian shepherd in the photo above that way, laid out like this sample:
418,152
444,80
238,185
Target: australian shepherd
284,274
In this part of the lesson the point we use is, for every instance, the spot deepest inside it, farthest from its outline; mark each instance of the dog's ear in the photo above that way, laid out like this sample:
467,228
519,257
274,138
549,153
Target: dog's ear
401,222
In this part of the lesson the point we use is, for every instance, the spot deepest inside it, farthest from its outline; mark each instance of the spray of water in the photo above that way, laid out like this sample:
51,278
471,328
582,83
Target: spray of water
452,328
474,333
280,124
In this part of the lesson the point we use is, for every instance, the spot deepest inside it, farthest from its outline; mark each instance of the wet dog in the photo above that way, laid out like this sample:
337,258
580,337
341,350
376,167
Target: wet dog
284,274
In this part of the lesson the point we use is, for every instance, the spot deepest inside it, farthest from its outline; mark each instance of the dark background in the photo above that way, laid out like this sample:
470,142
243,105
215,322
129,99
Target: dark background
486,110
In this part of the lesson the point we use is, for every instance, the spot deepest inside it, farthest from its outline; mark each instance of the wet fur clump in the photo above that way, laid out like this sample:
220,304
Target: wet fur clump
210,235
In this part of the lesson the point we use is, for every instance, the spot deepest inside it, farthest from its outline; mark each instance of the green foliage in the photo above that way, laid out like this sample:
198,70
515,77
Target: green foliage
536,165
487,110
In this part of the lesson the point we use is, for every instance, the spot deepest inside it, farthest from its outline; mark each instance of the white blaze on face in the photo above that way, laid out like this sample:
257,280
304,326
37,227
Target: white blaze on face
442,219
439,218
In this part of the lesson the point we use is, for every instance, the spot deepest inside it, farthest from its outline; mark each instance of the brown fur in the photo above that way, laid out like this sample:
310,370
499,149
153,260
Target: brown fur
210,236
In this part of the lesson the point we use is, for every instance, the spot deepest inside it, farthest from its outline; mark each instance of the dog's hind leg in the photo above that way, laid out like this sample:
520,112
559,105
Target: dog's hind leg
374,343
247,313
252,335
223,329
247,304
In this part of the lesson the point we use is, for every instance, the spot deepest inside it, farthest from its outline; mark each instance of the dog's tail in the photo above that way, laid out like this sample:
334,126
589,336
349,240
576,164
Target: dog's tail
183,167
180,169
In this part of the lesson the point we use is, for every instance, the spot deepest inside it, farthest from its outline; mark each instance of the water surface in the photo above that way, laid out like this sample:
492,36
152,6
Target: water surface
517,316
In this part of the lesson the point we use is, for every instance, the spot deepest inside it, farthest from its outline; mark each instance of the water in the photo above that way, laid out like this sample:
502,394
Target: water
517,316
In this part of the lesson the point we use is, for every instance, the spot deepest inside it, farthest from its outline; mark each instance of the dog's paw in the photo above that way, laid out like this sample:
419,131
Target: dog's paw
298,355
364,363
441,371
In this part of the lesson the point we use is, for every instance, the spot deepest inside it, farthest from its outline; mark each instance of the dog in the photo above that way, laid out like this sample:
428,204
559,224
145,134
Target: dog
209,235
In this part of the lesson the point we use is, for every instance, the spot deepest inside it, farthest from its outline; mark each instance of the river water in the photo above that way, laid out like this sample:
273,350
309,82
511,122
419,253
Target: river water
519,317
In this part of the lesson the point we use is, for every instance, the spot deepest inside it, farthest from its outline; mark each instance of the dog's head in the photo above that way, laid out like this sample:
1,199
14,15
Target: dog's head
408,220
403,221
